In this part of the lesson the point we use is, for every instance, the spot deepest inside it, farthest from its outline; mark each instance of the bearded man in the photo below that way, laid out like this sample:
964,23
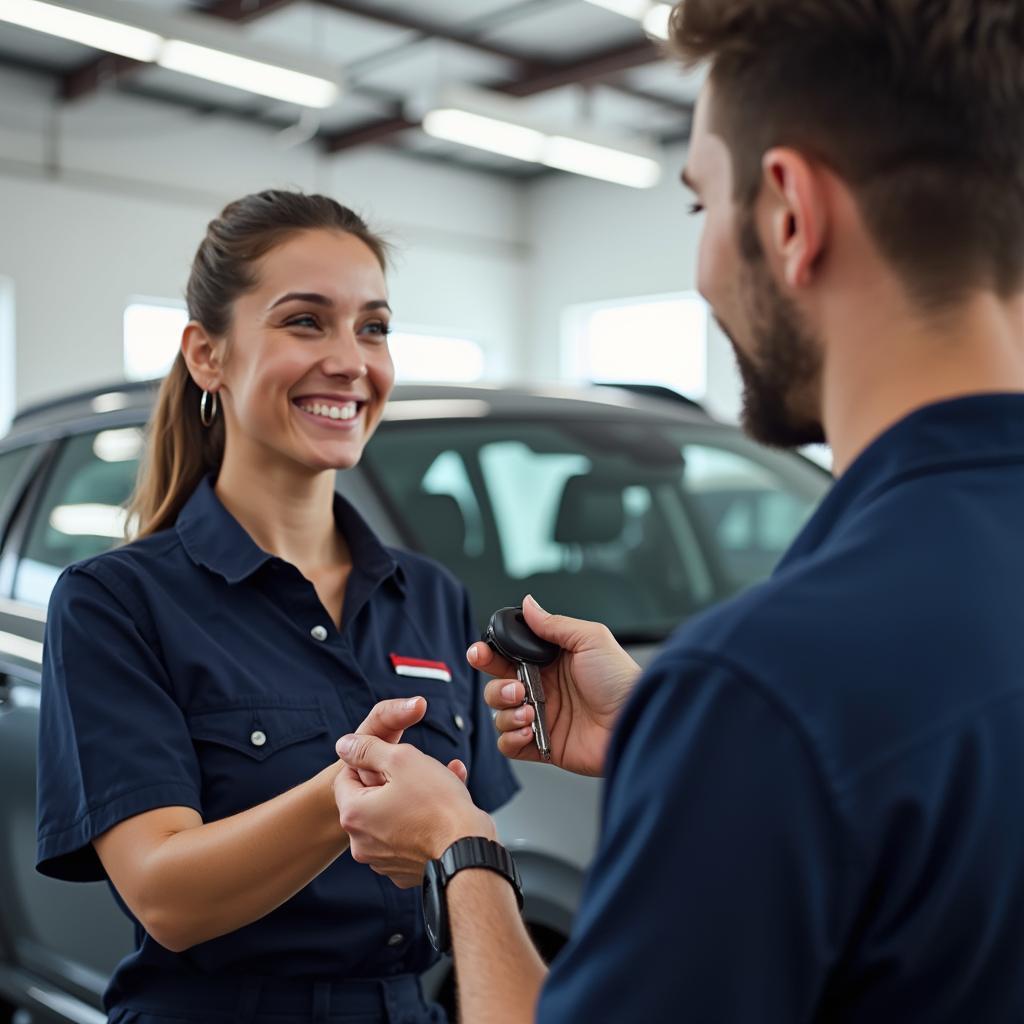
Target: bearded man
814,806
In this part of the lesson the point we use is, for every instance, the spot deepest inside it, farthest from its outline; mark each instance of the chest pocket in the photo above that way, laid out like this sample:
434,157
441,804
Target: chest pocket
250,753
444,731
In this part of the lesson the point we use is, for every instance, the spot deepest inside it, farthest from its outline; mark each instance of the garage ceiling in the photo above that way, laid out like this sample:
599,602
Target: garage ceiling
570,61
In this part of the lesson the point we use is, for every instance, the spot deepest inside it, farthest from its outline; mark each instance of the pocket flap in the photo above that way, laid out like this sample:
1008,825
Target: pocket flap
444,717
258,730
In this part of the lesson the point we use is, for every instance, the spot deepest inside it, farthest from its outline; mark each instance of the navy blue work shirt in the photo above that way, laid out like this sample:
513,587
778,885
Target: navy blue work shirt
193,669
815,798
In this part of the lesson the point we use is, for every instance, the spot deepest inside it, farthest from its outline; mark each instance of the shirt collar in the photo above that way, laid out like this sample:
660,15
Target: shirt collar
213,538
976,430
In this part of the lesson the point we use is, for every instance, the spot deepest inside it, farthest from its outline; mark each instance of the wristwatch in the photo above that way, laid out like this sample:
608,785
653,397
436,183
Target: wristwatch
471,852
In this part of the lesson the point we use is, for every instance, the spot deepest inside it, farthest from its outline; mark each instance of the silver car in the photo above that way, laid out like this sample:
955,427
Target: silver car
635,509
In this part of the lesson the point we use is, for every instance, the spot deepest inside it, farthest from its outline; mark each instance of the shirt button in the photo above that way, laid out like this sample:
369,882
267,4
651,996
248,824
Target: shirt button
258,738
318,633
460,722
397,939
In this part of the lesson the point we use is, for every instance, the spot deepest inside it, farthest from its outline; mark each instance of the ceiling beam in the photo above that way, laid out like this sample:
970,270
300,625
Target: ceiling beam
109,68
95,74
202,108
430,29
654,98
536,76
589,69
243,11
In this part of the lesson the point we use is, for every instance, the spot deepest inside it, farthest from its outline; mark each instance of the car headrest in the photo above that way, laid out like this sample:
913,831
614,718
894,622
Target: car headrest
439,524
591,512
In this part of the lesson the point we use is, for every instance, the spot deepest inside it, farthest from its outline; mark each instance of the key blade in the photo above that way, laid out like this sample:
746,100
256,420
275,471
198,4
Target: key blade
529,675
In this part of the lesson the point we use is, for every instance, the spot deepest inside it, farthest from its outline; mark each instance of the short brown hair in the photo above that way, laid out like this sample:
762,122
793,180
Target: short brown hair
917,104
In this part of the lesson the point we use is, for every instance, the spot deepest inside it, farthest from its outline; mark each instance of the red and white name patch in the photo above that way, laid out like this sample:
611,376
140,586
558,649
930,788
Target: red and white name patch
420,668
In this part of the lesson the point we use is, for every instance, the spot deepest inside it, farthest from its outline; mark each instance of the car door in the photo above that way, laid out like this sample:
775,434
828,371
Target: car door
68,934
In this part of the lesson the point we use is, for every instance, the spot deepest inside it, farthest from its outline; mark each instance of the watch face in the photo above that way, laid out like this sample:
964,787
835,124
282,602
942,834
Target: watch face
434,910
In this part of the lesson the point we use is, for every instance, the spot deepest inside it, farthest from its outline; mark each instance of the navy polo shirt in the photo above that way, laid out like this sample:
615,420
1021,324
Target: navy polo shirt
193,669
815,798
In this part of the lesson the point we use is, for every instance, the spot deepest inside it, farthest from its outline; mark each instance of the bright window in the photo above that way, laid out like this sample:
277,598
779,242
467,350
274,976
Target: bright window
421,356
152,337
658,340
528,527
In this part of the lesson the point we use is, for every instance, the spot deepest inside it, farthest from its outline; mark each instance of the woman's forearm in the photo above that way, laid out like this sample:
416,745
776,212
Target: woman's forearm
205,881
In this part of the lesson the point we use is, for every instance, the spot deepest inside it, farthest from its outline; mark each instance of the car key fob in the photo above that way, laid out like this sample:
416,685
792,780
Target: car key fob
509,635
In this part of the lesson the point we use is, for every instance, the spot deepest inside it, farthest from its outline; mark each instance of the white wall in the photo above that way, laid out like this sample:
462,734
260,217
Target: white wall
107,199
8,355
592,242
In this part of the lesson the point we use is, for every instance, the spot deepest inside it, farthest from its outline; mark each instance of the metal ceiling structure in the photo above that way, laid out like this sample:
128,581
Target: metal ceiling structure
569,60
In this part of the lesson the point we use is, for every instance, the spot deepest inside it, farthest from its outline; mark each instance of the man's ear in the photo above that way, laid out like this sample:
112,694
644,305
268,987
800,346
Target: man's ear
798,212
203,355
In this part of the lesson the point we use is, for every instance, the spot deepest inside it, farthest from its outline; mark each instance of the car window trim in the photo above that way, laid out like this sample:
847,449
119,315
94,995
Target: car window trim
11,504
21,524
53,438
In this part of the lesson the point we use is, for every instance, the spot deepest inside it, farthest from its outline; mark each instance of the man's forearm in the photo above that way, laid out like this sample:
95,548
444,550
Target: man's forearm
499,971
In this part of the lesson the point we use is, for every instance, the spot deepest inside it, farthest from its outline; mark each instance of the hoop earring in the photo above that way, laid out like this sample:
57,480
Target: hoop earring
208,415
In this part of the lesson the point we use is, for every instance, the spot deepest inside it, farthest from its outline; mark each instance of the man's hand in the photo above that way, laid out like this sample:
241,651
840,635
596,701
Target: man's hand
585,687
418,811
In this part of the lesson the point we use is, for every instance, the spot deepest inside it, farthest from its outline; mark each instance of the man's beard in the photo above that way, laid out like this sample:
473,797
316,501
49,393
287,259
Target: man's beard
780,382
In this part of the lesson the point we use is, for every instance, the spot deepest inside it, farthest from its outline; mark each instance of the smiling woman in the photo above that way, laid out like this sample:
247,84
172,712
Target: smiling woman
254,618
251,276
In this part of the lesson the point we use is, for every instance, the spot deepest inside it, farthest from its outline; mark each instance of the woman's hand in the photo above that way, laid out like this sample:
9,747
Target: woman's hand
419,810
389,719
585,688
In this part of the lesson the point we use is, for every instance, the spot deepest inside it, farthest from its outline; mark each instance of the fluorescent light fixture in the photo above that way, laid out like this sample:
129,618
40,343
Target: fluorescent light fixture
79,27
496,123
251,75
634,9
656,20
594,161
179,42
481,132
653,16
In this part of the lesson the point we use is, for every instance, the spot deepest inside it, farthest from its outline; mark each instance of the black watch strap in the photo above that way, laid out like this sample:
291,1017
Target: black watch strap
478,852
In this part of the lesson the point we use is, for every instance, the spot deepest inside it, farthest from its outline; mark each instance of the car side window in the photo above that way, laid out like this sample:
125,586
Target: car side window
527,529
82,511
563,511
749,510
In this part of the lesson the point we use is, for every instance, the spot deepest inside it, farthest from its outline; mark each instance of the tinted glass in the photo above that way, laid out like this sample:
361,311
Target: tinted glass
637,525
82,510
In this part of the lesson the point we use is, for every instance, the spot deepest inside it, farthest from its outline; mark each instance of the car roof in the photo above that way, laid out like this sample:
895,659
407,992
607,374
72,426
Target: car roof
407,402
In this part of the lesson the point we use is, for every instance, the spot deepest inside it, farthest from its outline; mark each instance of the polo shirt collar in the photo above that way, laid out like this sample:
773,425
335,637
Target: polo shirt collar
213,538
976,430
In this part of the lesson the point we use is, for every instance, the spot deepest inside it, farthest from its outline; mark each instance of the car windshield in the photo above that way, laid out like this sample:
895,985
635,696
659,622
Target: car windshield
636,524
